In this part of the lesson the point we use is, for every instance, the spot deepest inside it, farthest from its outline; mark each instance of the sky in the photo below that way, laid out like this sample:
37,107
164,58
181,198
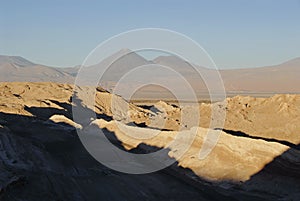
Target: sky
235,33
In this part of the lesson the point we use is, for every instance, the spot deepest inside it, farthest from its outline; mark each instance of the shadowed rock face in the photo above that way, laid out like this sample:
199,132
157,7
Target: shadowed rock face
42,158
48,162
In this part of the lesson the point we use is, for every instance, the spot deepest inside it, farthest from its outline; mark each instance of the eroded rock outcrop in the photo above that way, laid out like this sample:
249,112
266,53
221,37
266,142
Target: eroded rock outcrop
42,158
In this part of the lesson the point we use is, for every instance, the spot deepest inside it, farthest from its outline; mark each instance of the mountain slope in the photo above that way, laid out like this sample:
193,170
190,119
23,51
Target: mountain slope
15,68
16,61
282,78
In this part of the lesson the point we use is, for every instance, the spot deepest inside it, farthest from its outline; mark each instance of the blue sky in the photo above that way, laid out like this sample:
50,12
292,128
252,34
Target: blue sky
236,33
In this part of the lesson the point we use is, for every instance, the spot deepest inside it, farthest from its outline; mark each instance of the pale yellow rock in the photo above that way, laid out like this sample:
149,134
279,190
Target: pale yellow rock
233,158
62,119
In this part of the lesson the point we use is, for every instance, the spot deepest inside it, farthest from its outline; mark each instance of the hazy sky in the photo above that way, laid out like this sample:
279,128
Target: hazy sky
236,33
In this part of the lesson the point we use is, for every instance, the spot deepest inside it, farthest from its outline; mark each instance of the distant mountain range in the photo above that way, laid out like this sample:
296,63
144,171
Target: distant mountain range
282,78
18,69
